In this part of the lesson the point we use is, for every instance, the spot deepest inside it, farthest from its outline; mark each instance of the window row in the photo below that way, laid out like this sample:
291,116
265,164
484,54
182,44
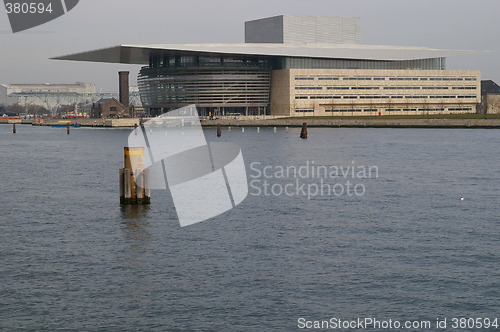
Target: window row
378,97
336,78
310,87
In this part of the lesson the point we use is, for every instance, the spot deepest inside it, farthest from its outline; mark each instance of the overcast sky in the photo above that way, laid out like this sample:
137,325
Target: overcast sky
93,24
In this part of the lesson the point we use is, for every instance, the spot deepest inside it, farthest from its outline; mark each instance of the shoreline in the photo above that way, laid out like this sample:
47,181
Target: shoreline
288,122
360,123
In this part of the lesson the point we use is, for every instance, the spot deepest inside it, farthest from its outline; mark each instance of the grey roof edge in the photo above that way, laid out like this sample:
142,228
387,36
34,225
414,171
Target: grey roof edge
139,54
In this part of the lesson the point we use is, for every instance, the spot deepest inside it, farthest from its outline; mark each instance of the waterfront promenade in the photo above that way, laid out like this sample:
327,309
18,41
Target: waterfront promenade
381,122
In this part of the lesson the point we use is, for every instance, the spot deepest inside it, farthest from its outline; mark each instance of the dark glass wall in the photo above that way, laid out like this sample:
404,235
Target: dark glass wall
215,84
318,63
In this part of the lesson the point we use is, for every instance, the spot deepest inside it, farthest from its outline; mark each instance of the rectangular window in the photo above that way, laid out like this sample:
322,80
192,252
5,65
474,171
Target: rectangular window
460,109
357,78
325,97
308,88
403,78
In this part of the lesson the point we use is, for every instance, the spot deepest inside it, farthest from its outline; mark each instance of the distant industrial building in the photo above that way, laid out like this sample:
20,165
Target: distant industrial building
108,108
51,96
48,95
294,66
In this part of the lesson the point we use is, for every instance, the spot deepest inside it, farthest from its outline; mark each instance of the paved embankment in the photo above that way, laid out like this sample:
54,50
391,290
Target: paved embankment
382,123
295,122
82,122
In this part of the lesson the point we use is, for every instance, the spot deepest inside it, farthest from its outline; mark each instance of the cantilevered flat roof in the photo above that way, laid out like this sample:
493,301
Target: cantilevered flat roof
139,54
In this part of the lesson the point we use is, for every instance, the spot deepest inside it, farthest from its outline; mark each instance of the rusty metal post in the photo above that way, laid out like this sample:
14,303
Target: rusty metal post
219,133
303,132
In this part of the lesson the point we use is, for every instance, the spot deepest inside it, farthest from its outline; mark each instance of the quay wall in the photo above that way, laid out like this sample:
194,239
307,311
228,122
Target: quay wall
290,122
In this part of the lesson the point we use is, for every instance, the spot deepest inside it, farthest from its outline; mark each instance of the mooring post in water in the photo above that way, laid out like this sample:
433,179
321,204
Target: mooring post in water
133,178
219,133
67,128
286,129
141,193
122,185
303,132
127,187
14,128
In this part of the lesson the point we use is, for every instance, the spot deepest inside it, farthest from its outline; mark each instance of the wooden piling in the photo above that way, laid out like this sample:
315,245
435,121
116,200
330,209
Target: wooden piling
147,191
14,128
219,133
127,187
134,183
122,185
303,132
67,128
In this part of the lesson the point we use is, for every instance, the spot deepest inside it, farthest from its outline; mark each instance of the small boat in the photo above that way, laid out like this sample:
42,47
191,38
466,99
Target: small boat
64,125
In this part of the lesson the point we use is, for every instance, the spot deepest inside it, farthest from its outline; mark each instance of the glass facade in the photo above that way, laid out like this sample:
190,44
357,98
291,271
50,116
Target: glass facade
218,85
316,63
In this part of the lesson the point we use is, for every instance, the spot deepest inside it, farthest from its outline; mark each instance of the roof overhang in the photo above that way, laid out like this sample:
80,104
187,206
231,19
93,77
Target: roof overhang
140,54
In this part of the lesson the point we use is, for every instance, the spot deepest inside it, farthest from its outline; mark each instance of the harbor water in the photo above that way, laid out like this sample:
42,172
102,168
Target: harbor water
418,240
